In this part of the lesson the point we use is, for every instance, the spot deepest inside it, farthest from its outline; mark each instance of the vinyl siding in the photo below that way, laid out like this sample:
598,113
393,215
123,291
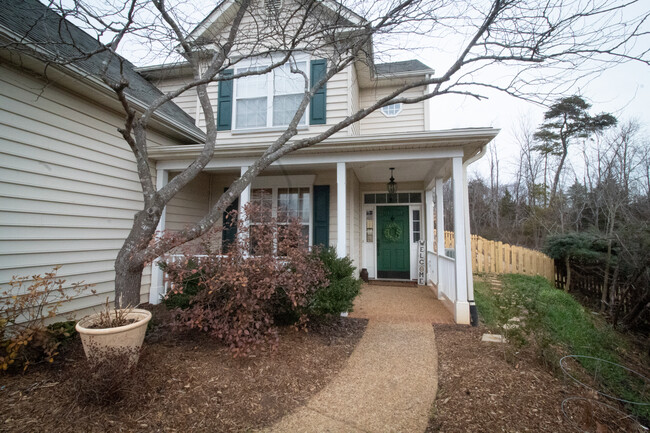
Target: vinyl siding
68,187
411,119
190,204
187,100
353,99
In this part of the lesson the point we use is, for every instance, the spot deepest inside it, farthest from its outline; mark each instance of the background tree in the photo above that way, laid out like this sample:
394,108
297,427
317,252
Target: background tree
542,41
565,121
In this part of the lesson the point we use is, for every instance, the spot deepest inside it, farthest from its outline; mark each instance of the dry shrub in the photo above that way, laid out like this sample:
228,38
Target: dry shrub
107,381
24,308
267,273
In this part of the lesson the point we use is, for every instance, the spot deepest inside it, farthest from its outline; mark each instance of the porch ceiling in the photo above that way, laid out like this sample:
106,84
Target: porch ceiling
405,171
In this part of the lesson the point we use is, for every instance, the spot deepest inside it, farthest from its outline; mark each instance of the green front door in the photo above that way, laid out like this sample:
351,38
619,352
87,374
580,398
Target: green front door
393,246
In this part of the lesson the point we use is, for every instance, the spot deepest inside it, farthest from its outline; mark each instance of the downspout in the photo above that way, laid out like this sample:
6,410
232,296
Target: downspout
473,312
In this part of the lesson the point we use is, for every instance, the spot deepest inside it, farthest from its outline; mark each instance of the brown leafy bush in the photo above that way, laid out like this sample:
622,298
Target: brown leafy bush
24,308
107,381
268,272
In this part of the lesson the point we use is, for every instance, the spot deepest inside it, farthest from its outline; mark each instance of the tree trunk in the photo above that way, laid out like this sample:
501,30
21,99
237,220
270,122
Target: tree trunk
567,261
128,270
128,279
556,179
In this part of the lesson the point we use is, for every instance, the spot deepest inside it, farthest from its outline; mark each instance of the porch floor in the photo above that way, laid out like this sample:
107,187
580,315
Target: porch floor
398,302
390,381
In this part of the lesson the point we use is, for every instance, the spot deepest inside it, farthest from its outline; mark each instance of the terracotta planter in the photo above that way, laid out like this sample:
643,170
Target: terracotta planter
100,343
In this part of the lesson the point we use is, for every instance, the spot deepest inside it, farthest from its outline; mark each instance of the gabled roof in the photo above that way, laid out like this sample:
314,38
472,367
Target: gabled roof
400,68
224,10
52,38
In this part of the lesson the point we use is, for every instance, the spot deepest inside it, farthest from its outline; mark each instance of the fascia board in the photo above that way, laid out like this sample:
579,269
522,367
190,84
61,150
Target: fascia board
454,138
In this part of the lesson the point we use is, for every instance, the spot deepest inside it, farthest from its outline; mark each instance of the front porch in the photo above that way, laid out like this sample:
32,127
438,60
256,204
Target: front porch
338,191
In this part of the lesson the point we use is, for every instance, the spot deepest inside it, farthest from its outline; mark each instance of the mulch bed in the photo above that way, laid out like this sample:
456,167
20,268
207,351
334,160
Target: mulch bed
183,382
486,387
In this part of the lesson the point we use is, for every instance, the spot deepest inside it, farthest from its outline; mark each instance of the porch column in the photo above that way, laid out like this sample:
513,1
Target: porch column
244,199
468,246
440,233
157,290
341,247
461,308
428,209
245,195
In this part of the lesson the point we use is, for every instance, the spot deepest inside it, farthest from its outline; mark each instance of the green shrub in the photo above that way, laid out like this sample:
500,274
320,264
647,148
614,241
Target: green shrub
191,283
338,296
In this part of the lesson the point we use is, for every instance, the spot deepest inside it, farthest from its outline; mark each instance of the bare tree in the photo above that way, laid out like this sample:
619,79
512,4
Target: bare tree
548,45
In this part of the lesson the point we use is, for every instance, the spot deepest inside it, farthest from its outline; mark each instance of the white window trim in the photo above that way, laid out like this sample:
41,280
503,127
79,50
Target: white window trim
256,62
275,182
401,107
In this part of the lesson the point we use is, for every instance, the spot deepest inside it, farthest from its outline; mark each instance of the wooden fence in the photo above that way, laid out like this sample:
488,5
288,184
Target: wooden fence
499,258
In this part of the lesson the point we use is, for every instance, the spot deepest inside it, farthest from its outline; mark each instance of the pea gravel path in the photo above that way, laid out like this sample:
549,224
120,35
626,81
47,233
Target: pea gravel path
391,378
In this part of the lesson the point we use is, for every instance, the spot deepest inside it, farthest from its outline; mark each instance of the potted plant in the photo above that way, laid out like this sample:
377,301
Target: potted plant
113,332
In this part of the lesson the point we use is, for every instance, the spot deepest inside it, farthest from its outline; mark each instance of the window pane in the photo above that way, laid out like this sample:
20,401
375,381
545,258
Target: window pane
403,197
416,215
305,204
285,107
416,236
251,86
369,198
416,226
251,113
416,197
381,198
286,82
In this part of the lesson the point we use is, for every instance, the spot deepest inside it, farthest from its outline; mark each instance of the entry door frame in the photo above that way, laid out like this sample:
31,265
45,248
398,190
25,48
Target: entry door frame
405,242
368,258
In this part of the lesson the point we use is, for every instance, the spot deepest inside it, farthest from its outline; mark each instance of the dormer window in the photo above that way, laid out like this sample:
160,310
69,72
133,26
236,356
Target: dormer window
392,110
269,100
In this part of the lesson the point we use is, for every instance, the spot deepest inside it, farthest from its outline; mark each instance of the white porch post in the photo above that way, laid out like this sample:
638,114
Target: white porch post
156,290
468,247
461,308
341,247
428,208
245,195
244,199
440,232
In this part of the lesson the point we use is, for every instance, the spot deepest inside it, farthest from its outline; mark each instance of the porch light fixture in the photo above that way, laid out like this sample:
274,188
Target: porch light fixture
392,185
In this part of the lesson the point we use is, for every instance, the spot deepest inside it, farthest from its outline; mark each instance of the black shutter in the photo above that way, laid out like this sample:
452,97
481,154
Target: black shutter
321,215
224,103
318,106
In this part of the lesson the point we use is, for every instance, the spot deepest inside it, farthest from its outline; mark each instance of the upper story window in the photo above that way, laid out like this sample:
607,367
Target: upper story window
271,99
392,110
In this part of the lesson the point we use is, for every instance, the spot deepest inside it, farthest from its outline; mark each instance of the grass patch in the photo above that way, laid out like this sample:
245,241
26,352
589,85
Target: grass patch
559,325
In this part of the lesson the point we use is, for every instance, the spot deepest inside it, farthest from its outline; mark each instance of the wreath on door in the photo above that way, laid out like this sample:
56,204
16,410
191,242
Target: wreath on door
392,232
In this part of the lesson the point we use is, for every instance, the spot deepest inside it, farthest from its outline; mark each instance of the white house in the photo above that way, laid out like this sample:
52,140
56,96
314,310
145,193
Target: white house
70,187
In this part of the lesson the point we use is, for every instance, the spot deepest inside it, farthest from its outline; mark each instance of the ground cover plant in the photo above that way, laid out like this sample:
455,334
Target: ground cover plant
555,325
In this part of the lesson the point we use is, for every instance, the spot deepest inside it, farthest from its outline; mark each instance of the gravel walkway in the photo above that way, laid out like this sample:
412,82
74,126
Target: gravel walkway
391,379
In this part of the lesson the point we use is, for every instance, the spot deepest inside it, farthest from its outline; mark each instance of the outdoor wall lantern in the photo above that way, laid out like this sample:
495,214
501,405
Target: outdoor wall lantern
392,185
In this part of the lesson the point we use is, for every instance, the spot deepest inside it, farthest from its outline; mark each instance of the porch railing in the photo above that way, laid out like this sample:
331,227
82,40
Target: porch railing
446,280
447,277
